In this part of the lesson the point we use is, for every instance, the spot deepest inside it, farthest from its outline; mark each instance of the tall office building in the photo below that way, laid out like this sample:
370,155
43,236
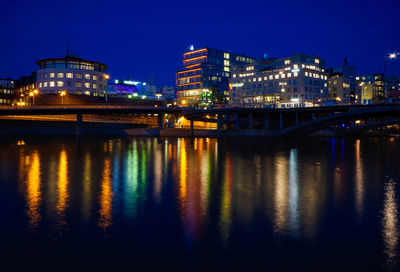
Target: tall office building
346,74
204,70
296,81
7,92
372,88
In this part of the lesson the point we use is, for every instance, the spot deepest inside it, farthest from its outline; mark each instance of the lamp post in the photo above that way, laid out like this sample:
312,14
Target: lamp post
33,94
106,77
391,56
62,94
388,57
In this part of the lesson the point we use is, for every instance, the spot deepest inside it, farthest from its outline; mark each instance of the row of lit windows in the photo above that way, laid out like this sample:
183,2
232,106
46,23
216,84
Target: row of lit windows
68,84
5,91
68,75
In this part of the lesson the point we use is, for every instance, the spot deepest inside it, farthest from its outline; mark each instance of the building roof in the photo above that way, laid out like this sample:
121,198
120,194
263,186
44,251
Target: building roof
70,59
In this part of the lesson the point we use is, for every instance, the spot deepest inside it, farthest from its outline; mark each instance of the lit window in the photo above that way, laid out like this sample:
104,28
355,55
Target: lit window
51,83
94,86
295,74
271,77
45,84
316,60
260,78
87,76
87,85
276,76
226,69
70,75
60,83
78,75
60,75
51,75
226,55
306,73
283,76
94,77
289,75
287,61
40,85
87,92
78,84
295,66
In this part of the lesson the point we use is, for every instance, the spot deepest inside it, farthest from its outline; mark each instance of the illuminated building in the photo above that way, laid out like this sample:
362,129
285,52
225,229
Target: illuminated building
372,88
73,75
297,81
204,70
7,92
392,87
23,87
339,88
346,74
131,88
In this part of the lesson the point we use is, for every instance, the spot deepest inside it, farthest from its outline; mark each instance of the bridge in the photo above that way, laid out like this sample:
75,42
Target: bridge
240,121
79,110
295,121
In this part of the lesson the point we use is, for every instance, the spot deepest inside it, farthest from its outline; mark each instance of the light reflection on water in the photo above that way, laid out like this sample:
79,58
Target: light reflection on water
212,192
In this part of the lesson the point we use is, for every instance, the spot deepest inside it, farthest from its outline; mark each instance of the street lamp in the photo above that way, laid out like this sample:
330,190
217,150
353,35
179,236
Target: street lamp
106,77
33,94
391,56
62,94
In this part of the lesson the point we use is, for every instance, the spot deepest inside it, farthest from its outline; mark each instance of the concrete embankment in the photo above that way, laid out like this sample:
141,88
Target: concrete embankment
68,128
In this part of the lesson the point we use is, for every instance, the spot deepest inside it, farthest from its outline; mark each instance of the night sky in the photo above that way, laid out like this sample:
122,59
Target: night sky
147,38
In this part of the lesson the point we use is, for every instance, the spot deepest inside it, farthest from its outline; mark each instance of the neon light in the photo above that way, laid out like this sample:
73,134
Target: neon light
195,51
188,70
194,65
195,58
189,83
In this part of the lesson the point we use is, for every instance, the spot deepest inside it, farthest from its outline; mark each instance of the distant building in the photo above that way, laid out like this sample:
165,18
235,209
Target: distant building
339,89
348,75
23,87
296,81
205,70
73,75
392,87
372,88
130,88
7,92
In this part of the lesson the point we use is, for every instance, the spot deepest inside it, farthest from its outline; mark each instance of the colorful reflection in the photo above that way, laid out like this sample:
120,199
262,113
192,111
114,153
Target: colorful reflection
62,186
390,224
106,196
34,193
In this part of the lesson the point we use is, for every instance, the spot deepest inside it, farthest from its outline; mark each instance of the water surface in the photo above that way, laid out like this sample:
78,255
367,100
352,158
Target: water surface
314,203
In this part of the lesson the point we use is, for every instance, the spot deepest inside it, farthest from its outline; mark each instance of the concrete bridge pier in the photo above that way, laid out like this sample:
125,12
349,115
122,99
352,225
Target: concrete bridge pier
160,120
266,123
191,128
219,124
236,119
250,121
79,122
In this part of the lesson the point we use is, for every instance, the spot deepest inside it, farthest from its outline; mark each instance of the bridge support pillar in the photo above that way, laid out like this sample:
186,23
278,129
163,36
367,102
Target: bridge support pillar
250,121
297,118
160,120
312,116
219,124
191,128
281,121
236,117
266,123
79,124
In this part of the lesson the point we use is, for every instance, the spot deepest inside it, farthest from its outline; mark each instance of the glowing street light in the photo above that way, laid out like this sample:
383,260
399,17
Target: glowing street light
33,94
62,94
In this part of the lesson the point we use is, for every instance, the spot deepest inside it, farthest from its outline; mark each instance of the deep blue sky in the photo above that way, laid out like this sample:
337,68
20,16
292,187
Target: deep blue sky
143,38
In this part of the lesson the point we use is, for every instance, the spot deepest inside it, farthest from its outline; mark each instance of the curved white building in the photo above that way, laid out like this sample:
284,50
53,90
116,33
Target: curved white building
72,75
